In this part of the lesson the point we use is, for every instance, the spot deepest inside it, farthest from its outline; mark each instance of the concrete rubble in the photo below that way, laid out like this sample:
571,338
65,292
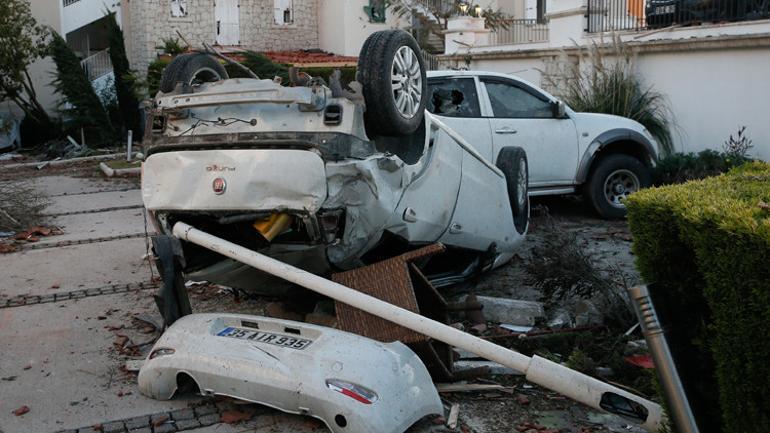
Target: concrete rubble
511,311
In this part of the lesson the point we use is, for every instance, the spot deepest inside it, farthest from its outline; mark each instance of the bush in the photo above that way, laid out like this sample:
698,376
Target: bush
609,85
171,46
154,73
708,243
682,167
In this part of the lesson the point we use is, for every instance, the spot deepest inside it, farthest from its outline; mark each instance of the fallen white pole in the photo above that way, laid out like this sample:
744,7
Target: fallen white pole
541,371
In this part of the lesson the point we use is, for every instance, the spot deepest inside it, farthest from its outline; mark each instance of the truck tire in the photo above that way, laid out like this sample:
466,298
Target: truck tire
392,73
512,161
191,70
613,178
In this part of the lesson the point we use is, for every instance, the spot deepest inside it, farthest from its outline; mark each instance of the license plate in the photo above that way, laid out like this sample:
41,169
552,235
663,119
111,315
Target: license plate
265,337
660,10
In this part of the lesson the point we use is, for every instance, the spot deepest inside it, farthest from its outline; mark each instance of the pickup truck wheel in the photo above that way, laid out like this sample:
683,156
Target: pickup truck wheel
392,73
614,178
191,70
512,161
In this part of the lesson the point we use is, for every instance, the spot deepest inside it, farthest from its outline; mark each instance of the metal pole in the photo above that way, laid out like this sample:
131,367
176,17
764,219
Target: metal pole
664,362
570,383
129,144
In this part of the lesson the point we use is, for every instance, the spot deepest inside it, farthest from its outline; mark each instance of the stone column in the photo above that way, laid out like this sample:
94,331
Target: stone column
464,32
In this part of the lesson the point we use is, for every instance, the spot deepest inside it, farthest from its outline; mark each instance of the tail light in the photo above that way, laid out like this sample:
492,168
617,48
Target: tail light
161,351
356,392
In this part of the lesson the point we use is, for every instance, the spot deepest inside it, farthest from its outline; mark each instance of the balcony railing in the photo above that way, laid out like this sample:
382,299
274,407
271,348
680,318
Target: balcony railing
520,31
618,15
69,2
431,61
97,65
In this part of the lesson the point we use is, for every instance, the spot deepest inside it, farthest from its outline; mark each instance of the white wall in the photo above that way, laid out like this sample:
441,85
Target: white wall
41,71
84,12
343,26
713,93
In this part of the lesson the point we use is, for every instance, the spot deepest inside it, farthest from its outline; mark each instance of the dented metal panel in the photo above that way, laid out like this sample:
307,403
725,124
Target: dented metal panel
352,383
249,179
369,190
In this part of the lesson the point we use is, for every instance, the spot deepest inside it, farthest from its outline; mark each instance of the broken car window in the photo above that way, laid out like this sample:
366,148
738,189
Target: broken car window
514,102
454,98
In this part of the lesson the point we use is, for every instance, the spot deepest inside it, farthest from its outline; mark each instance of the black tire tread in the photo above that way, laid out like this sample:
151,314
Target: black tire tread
374,66
183,67
168,78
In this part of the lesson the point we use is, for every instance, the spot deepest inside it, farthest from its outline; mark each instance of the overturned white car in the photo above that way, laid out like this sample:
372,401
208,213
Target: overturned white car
323,177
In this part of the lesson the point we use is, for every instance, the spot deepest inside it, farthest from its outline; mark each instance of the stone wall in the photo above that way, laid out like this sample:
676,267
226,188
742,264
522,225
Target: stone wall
151,22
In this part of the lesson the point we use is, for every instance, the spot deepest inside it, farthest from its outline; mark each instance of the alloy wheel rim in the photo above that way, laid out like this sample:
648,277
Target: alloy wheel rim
406,82
619,185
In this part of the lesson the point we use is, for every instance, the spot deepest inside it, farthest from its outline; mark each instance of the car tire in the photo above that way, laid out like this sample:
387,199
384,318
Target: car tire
190,70
392,74
613,178
512,161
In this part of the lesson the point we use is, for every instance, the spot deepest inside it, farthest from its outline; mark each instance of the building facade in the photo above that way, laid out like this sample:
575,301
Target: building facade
258,25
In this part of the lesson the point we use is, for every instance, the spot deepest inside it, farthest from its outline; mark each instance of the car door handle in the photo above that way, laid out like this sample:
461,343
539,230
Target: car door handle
505,131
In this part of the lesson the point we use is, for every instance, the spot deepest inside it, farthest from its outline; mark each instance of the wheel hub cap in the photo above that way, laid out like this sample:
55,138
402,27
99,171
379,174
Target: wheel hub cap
619,185
406,82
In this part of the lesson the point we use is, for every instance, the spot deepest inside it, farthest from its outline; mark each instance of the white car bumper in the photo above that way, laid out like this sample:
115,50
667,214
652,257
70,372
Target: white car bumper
297,368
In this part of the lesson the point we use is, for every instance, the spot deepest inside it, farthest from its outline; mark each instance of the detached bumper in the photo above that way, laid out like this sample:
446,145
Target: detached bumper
296,368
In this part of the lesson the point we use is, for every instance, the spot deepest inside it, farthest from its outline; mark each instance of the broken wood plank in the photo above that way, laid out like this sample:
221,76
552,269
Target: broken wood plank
454,412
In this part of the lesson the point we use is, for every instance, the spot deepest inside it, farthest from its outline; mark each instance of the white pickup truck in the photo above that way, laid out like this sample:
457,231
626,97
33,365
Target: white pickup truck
601,156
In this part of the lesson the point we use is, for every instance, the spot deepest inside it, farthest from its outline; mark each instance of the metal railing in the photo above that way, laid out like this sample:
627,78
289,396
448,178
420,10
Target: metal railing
439,5
69,2
635,15
520,31
97,64
431,61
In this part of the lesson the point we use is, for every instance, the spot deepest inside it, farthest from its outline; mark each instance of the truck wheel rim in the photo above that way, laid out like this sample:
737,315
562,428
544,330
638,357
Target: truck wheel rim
406,82
619,185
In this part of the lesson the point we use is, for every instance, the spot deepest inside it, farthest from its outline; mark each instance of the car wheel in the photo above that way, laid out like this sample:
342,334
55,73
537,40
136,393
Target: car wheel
191,70
512,161
392,73
614,178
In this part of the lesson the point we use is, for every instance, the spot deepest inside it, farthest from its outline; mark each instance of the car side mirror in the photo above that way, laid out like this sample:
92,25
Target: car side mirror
559,110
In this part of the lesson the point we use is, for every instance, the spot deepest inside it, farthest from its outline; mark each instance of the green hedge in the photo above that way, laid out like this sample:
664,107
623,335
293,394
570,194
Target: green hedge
708,243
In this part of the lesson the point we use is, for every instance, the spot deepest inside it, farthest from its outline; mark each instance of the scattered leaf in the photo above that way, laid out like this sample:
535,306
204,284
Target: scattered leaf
21,411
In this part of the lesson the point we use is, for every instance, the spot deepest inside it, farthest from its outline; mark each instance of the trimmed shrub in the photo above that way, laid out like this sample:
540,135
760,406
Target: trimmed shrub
708,243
